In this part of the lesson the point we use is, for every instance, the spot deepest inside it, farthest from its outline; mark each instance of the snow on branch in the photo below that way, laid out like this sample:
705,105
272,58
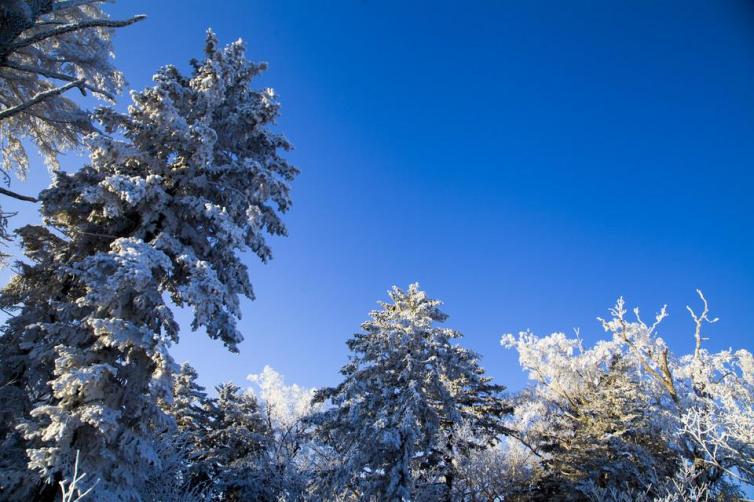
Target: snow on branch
68,28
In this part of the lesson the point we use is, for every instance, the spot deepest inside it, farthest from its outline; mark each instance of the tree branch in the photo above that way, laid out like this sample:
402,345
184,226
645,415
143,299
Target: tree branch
69,4
18,196
95,23
667,379
698,322
8,112
55,75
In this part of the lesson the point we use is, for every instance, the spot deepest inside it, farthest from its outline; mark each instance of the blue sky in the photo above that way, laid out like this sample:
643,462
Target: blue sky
526,162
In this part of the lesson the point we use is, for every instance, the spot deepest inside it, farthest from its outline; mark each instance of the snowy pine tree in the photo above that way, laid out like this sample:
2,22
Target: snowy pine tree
394,419
190,409
190,178
190,401
234,446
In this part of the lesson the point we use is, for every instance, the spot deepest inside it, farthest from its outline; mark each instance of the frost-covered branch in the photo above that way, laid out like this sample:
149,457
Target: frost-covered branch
71,488
699,320
41,96
659,356
68,28
47,48
59,76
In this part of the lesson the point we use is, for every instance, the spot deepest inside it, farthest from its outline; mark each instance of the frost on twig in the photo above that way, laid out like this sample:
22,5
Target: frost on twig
72,488
699,320
685,421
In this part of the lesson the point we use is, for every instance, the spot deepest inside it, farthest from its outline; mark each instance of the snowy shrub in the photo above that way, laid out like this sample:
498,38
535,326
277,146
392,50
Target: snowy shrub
627,416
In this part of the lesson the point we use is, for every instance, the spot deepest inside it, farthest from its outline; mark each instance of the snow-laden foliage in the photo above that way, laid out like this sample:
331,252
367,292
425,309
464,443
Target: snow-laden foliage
233,445
628,416
237,446
284,404
176,189
291,461
220,446
48,48
393,423
190,402
504,471
184,465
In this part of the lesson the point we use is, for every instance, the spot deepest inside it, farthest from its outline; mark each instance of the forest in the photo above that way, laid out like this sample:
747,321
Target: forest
177,193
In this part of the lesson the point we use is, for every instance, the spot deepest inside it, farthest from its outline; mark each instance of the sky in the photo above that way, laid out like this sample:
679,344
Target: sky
525,162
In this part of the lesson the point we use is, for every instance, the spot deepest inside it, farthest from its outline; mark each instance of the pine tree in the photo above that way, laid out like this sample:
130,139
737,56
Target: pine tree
190,408
407,387
190,401
192,178
235,445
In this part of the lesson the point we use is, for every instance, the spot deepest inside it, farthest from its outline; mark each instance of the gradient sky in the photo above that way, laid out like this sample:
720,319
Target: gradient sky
526,162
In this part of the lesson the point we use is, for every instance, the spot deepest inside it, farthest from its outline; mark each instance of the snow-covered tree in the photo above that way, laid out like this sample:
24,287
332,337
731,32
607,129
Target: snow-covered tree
176,189
628,416
393,421
504,471
596,429
221,446
190,401
712,397
190,409
290,462
234,445
49,47
285,405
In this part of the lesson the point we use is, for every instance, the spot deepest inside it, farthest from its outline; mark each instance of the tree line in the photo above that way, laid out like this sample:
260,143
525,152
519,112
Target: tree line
191,176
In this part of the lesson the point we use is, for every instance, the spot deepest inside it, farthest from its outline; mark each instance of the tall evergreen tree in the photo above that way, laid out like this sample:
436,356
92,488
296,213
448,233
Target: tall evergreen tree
394,420
192,178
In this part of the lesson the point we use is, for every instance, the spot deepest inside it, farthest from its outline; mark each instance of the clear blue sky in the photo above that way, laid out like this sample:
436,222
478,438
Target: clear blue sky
526,162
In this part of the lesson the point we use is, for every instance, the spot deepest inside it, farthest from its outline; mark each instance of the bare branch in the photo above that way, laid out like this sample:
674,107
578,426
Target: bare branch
95,23
18,196
9,112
